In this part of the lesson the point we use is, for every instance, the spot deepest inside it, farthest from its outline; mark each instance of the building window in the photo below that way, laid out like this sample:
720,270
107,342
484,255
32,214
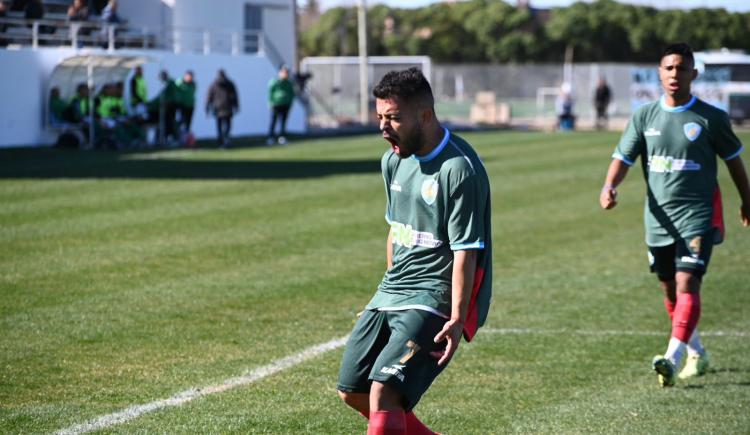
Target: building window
253,28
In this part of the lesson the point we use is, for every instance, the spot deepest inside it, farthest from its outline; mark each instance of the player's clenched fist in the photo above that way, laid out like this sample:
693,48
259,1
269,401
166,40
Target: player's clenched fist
608,197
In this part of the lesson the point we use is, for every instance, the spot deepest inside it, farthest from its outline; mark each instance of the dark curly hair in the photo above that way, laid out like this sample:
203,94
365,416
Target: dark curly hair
680,48
409,85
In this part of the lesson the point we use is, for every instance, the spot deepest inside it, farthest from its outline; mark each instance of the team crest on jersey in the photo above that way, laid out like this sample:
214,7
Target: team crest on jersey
429,191
692,131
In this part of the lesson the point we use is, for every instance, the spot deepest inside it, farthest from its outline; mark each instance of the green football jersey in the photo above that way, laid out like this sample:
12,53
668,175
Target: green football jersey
678,148
436,204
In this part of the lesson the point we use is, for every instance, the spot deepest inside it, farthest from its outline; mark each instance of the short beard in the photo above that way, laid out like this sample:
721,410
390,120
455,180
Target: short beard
411,144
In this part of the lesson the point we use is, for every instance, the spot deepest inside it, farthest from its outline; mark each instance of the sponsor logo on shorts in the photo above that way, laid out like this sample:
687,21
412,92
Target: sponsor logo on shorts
395,370
406,236
692,260
395,186
669,164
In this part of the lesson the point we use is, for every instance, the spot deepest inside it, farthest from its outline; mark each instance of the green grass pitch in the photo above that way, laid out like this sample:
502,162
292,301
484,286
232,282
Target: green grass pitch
126,278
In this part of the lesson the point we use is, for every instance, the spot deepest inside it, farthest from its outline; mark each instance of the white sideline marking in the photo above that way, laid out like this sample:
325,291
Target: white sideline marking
512,331
178,399
259,373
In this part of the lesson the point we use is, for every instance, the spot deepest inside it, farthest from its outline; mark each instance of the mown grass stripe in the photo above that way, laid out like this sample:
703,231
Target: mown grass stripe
188,395
532,331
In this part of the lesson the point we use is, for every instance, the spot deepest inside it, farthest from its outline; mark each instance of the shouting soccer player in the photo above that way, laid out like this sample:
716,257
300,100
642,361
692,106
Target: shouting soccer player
678,139
438,283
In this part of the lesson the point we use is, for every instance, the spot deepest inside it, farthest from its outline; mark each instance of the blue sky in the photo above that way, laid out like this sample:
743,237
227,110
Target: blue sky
731,5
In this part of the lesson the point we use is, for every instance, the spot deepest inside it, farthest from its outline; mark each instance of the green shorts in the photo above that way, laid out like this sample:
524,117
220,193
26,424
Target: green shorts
392,347
686,255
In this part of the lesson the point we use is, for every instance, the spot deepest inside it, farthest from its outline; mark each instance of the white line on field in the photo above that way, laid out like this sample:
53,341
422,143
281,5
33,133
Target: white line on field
259,373
255,375
531,331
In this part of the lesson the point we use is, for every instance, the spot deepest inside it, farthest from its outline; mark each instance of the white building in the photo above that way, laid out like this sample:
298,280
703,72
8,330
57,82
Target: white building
249,39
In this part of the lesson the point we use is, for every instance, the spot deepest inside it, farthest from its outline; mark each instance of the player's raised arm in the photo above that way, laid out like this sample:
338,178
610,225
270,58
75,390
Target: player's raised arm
739,176
615,174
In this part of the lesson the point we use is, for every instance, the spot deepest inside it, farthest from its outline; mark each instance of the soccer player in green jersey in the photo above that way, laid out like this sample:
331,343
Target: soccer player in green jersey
438,283
678,139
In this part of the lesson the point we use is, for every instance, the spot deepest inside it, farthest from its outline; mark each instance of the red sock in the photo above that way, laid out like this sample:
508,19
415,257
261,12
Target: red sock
669,305
387,423
687,311
416,427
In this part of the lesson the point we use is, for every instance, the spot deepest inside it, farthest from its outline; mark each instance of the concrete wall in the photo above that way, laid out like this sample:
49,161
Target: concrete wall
26,74
278,20
150,14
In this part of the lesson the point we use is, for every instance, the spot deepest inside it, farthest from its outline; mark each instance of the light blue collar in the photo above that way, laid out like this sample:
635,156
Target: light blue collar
437,149
677,109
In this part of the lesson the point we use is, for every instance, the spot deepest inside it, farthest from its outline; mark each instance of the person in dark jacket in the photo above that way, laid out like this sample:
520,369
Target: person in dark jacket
222,101
602,97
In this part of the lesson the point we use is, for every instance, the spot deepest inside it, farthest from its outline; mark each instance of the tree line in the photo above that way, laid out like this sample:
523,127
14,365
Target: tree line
492,31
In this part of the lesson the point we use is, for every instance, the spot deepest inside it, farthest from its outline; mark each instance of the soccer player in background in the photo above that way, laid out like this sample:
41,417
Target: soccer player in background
438,283
678,139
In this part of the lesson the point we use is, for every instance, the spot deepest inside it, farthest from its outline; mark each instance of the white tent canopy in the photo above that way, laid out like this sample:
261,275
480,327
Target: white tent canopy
94,69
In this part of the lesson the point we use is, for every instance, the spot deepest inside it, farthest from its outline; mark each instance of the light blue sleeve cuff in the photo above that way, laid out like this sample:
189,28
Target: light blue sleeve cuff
735,154
467,246
622,158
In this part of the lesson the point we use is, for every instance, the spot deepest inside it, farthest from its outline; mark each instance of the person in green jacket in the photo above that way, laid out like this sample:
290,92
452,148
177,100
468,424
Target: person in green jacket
186,100
79,108
138,88
280,97
57,107
166,101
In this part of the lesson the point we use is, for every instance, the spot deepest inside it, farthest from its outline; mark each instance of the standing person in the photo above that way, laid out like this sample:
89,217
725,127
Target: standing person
280,97
438,283
138,88
602,98
678,139
223,102
564,108
168,100
186,97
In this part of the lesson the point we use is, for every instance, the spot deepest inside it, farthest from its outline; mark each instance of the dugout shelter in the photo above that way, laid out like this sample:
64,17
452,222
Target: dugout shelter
95,70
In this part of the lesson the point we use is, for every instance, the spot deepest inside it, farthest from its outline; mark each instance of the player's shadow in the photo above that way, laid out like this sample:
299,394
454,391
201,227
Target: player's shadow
716,374
52,164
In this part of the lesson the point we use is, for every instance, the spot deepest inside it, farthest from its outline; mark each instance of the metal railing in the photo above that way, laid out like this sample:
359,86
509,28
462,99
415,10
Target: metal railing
80,34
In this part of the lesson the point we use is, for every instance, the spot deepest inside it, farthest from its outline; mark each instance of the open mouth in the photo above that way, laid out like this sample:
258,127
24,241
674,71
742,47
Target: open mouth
391,140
